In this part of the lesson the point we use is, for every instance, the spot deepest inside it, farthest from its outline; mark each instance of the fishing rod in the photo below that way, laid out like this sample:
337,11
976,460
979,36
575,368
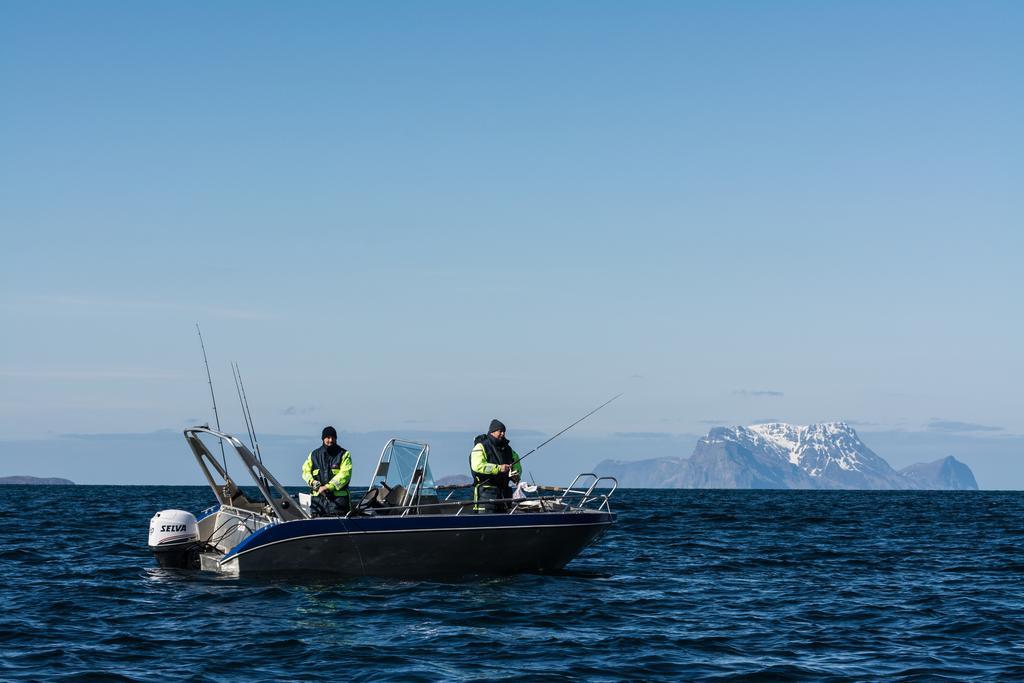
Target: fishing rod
246,415
245,406
243,400
522,457
209,380
537,448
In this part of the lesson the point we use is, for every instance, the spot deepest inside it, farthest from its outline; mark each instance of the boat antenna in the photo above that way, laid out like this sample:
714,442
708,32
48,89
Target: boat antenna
213,397
537,448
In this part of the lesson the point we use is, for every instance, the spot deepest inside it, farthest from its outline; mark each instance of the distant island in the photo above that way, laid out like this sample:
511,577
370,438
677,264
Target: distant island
782,456
37,481
453,481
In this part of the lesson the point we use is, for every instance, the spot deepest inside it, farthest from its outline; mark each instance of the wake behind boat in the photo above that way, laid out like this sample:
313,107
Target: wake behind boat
400,527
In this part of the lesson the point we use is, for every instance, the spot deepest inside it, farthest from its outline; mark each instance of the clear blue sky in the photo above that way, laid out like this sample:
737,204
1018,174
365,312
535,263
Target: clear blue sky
396,214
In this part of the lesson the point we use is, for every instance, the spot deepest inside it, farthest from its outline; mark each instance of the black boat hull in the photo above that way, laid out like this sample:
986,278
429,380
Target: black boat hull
420,546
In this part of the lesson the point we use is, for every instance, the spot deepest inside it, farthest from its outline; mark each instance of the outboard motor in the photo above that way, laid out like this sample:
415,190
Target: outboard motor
174,539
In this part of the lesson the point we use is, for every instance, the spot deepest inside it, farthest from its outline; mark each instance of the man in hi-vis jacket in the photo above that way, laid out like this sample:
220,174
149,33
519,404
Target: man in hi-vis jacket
493,463
328,470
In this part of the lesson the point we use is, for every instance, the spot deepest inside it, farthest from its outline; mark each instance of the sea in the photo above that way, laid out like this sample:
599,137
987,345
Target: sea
687,585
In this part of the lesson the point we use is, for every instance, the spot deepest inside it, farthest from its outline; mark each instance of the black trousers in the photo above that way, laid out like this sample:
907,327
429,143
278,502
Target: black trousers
329,505
486,498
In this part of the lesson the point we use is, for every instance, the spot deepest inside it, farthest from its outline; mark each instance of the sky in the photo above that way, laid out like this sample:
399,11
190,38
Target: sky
414,217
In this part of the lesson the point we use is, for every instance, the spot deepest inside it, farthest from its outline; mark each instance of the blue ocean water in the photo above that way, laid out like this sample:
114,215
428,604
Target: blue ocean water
687,585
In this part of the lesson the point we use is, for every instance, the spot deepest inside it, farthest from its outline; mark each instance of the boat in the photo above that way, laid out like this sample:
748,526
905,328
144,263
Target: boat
400,527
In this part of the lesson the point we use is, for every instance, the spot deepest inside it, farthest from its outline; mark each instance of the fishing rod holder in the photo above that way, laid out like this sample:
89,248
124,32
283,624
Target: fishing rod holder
284,507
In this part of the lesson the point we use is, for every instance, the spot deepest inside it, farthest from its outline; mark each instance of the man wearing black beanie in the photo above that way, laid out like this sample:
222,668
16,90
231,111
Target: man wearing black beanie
493,463
331,464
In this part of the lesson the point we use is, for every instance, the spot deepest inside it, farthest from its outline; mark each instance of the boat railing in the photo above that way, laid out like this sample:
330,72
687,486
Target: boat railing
547,504
587,496
570,500
237,524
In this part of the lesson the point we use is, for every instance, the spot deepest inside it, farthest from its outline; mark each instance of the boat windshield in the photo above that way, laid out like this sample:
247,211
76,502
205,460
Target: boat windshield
404,467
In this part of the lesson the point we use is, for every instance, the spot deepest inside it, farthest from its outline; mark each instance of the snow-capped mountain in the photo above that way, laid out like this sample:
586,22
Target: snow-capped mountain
827,455
828,452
